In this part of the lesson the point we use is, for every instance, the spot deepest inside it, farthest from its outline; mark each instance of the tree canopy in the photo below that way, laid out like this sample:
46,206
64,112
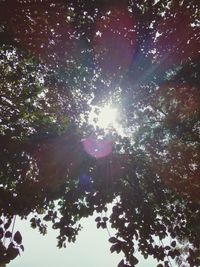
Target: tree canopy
61,59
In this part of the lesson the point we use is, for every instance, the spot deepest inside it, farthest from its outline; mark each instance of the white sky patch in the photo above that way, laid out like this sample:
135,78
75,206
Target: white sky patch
105,117
98,33
158,34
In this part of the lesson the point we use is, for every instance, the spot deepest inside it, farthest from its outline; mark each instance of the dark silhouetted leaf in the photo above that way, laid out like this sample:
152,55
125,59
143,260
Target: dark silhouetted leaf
8,234
98,219
133,260
173,244
12,252
18,237
47,218
121,264
7,225
1,232
113,240
22,247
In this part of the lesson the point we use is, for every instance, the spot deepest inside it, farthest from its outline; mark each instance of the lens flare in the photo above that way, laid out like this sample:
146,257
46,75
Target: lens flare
97,148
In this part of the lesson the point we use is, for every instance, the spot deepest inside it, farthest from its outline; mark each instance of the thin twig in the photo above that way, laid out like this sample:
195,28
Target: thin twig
13,226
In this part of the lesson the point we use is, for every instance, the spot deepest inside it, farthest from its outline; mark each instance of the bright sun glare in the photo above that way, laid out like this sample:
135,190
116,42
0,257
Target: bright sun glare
107,117
104,117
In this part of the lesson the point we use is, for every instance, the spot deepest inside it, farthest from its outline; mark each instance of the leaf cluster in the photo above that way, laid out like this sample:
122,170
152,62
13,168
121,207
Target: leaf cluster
56,59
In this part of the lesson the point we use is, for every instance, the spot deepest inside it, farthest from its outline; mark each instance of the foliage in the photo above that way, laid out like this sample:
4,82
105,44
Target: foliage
58,57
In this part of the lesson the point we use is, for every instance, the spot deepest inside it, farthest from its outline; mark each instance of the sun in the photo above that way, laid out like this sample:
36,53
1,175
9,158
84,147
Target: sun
105,117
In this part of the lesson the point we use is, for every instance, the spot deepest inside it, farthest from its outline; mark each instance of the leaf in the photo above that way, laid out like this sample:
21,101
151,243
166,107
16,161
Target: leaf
47,218
1,232
177,252
8,234
116,247
98,219
171,254
22,247
2,248
7,225
133,260
33,225
56,225
112,249
173,244
105,219
103,225
121,264
98,225
113,240
18,238
12,252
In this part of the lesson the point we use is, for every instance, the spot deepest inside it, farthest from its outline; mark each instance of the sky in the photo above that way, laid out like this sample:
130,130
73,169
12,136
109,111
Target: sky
90,249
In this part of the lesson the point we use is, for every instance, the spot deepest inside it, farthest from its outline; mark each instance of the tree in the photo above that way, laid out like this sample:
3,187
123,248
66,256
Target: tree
58,57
